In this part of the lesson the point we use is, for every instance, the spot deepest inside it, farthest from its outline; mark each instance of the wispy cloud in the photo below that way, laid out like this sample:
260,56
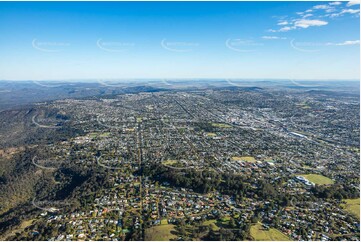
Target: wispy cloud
322,6
347,42
285,29
282,23
305,23
328,8
301,24
345,11
353,2
316,16
307,15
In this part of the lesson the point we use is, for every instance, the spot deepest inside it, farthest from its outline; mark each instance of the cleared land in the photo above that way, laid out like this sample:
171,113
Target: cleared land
352,206
212,223
211,134
259,233
169,162
164,222
160,233
244,158
318,179
220,125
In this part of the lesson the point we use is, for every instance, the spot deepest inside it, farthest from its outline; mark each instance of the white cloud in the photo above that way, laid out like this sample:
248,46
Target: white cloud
330,10
285,29
323,6
283,23
349,10
305,23
300,23
353,2
272,37
335,3
307,15
327,9
347,42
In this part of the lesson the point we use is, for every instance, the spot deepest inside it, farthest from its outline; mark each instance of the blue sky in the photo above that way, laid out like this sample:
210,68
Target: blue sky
120,40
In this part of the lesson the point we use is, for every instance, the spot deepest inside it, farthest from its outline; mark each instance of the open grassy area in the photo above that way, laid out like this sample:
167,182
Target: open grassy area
225,219
217,224
352,206
164,222
303,105
169,162
259,233
212,222
269,160
220,125
99,134
318,179
211,134
105,134
244,158
93,135
160,233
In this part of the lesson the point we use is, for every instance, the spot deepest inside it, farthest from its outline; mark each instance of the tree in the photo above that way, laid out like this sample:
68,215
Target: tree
232,223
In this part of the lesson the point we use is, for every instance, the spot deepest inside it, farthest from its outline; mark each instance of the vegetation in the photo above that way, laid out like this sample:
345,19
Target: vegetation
169,162
259,232
160,233
318,179
244,158
211,134
352,206
212,224
221,125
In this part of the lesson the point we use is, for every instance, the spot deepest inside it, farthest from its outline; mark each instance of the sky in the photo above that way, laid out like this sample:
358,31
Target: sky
179,40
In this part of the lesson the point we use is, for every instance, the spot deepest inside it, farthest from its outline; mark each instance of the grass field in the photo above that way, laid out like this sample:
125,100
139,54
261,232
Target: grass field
318,179
164,222
220,125
169,162
269,160
160,233
258,233
93,135
217,224
212,222
352,206
211,134
244,158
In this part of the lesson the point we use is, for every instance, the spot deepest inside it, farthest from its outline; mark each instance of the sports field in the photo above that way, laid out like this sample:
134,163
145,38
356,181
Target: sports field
318,179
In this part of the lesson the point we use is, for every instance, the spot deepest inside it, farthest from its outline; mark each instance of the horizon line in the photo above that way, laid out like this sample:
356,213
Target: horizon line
172,79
